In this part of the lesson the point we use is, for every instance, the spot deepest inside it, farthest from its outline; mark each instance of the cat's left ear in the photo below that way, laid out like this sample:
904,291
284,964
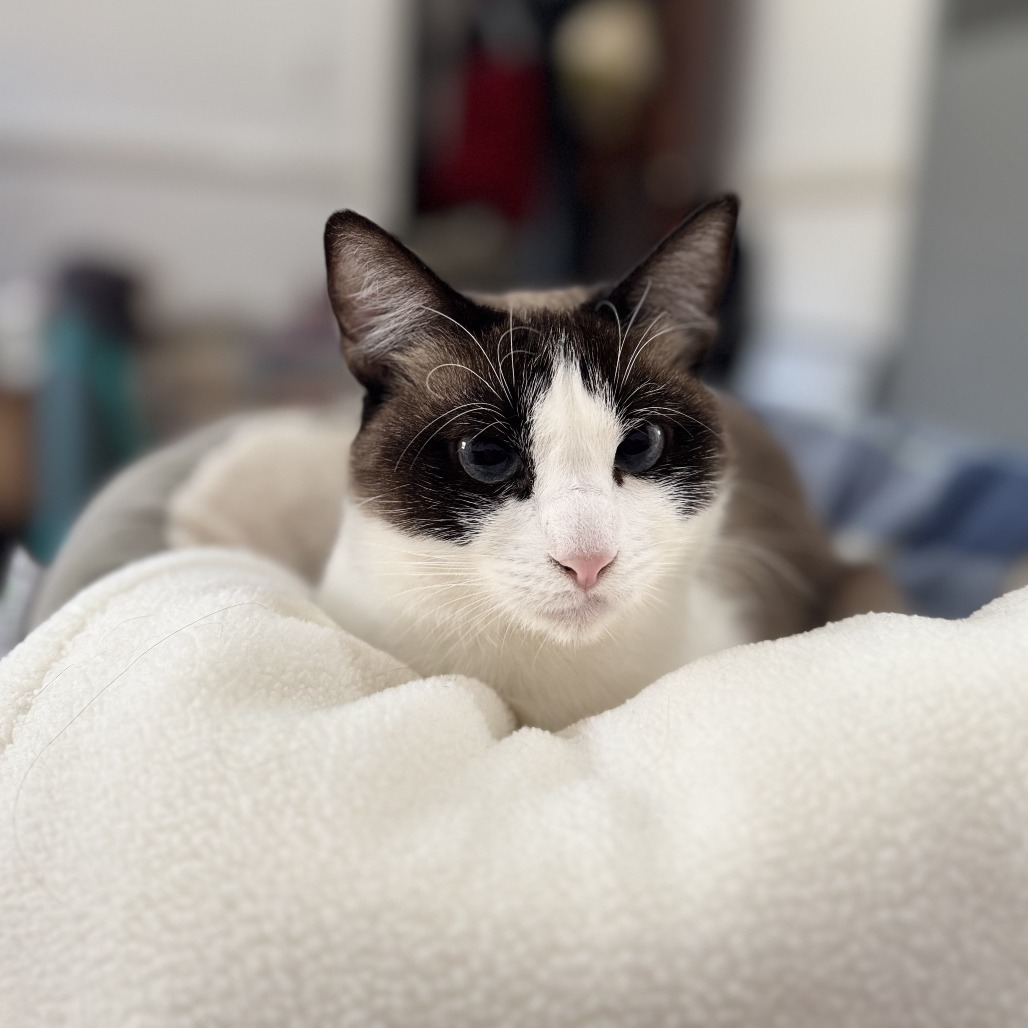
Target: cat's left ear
675,291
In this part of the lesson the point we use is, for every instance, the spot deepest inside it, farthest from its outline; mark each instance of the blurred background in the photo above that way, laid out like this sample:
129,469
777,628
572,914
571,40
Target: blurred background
166,171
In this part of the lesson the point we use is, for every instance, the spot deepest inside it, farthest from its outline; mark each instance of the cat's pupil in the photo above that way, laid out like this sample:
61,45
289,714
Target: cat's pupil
487,460
488,454
636,443
640,449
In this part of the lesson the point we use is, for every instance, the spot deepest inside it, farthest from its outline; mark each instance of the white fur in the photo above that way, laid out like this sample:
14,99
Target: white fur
499,607
574,436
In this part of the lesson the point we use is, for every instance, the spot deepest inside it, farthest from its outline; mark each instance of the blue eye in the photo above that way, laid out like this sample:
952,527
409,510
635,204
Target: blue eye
641,448
487,460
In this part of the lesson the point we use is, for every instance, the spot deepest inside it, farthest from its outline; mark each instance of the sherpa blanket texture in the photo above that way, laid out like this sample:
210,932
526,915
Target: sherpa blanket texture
218,808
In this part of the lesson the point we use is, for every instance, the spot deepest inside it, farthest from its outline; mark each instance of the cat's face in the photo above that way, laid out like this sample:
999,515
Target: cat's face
552,459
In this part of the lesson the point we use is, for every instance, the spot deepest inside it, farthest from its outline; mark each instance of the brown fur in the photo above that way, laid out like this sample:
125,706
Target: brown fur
768,512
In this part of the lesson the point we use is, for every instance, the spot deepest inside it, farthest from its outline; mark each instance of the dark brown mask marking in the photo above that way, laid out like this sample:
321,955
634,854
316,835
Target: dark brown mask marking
437,366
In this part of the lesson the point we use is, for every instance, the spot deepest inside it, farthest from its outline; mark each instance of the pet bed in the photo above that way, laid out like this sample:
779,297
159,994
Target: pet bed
217,808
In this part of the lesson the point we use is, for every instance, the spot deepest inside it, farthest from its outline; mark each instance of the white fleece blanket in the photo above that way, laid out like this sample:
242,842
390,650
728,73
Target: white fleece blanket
216,808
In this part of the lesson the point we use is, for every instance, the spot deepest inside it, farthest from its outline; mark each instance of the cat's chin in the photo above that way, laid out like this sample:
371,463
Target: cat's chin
576,622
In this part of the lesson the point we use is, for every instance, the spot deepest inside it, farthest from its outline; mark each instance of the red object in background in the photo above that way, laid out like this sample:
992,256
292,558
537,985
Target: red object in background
498,155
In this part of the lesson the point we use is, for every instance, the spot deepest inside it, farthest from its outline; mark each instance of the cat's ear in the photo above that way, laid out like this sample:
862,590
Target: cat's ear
384,297
675,291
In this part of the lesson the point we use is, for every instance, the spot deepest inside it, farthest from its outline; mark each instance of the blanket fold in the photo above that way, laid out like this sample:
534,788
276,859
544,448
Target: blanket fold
217,808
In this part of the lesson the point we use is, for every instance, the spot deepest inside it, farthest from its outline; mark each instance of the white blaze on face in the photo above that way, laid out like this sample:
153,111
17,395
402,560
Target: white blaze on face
575,434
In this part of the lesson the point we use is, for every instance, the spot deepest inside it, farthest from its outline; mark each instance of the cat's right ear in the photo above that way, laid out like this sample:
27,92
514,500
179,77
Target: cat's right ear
384,297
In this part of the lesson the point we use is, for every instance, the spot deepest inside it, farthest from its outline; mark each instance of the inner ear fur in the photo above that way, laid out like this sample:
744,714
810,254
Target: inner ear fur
384,297
676,289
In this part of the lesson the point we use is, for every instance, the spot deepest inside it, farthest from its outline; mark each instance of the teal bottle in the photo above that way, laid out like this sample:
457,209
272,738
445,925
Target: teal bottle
85,421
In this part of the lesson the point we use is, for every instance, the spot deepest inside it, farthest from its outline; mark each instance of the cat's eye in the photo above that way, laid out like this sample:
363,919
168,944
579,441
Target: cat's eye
640,449
487,459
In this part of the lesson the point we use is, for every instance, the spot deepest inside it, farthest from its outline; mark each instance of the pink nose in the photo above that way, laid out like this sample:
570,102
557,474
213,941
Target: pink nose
587,567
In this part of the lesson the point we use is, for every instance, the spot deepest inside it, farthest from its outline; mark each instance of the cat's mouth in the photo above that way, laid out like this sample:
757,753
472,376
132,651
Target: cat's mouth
577,615
549,602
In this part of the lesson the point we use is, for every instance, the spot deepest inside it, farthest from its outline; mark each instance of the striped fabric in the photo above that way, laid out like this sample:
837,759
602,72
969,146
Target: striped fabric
947,513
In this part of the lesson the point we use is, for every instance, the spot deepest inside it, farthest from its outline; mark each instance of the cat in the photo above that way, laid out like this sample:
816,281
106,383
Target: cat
543,494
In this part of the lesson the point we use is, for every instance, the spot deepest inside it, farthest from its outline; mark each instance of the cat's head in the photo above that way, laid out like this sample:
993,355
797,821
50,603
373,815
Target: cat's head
553,453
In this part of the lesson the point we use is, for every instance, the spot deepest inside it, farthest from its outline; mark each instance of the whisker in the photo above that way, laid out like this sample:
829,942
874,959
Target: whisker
457,412
648,340
631,322
621,336
481,348
463,367
674,414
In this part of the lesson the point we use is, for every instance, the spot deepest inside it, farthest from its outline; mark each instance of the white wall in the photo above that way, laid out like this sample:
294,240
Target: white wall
964,360
829,133
206,140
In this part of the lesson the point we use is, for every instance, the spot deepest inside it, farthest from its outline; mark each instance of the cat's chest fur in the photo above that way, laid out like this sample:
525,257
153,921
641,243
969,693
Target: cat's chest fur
439,624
